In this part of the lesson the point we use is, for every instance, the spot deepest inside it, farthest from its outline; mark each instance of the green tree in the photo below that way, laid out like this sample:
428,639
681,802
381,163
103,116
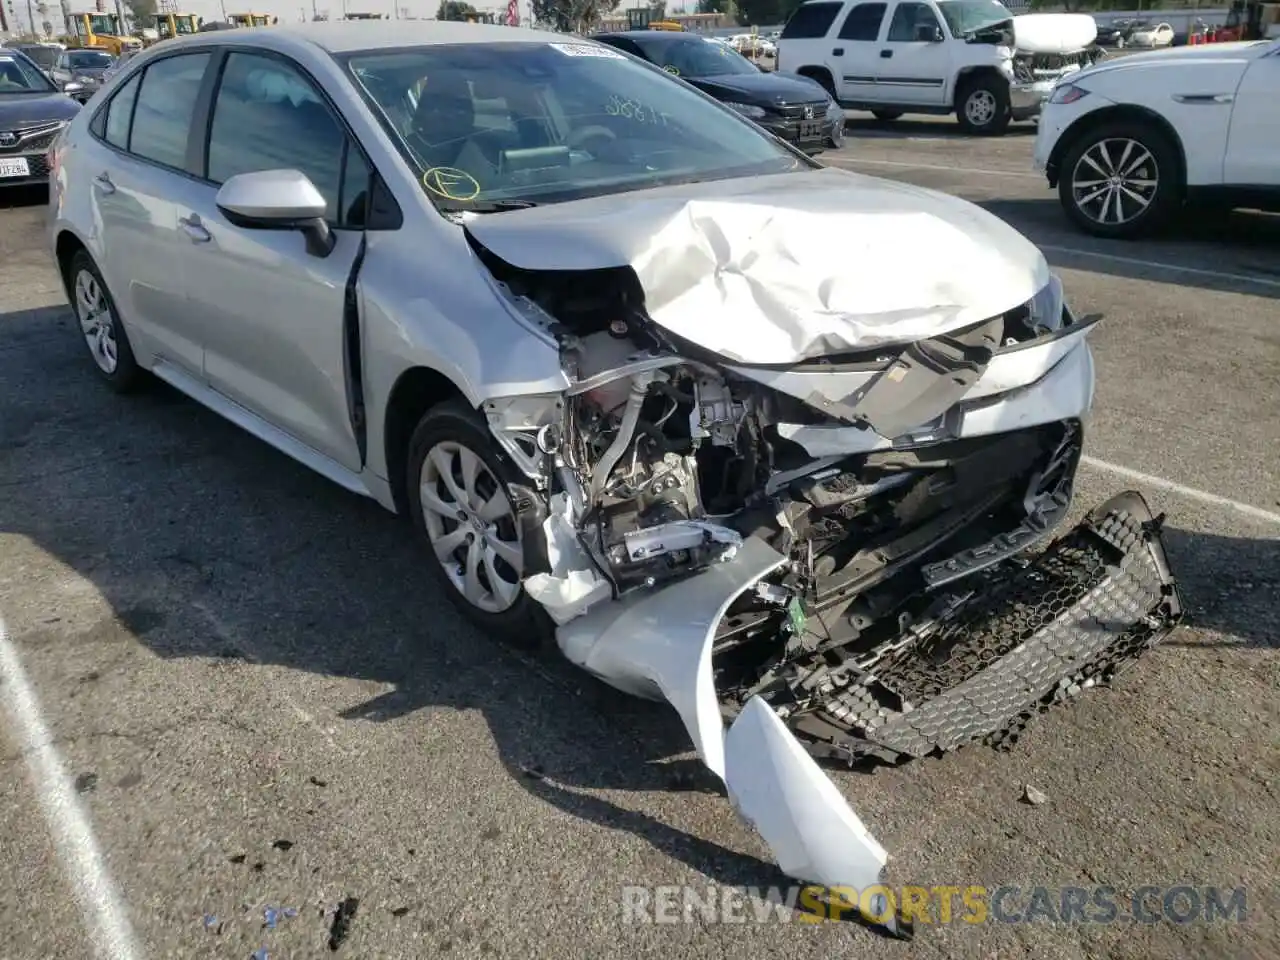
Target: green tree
454,10
139,12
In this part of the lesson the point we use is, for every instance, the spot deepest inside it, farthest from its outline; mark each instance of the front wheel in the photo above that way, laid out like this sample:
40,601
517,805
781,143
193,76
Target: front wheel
460,499
983,106
1120,180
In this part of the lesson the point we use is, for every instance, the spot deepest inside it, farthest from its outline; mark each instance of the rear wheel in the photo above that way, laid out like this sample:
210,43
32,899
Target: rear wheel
982,106
886,115
100,325
1120,180
460,498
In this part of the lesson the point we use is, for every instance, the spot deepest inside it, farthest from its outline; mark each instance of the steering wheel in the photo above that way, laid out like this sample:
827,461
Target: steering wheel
583,135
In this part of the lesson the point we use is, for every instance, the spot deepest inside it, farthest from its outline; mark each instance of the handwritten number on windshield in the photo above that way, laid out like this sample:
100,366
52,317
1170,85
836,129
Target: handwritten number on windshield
634,110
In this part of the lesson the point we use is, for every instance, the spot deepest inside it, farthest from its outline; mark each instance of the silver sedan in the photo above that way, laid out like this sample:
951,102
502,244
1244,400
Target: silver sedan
763,439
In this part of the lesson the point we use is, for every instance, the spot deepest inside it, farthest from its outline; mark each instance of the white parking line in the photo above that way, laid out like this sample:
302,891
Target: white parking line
109,929
1190,492
1171,267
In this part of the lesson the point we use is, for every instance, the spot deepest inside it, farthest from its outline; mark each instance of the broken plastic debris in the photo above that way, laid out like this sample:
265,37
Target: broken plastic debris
1033,796
210,921
282,844
86,782
271,915
261,954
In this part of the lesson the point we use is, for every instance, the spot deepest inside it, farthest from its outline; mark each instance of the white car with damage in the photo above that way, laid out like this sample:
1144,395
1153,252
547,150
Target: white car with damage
970,58
1130,141
764,440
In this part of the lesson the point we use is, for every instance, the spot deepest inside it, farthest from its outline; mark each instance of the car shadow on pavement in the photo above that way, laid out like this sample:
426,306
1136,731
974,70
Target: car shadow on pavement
34,196
1228,585
207,543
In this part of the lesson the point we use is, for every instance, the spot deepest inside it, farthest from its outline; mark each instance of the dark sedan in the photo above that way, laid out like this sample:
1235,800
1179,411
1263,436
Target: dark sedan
32,113
792,108
80,72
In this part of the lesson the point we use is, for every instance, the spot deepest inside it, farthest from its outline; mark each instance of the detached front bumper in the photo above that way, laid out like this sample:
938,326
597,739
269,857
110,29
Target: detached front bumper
1016,639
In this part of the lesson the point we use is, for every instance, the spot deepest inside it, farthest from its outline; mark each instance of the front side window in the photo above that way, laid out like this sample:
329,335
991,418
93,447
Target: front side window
863,22
547,122
268,116
912,23
166,103
20,75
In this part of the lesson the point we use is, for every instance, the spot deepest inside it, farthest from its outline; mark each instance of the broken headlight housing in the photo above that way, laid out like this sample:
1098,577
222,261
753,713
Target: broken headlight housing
1046,308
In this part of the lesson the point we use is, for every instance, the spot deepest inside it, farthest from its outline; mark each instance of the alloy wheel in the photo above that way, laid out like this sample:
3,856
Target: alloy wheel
96,321
472,526
980,107
1115,181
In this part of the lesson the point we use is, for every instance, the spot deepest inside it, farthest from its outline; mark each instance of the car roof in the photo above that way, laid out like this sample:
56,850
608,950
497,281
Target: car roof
346,36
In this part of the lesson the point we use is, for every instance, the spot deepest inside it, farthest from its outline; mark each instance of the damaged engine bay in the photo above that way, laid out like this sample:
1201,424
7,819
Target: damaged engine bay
902,571
841,557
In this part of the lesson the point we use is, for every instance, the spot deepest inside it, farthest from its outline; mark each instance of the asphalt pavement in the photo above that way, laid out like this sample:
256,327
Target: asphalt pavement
230,689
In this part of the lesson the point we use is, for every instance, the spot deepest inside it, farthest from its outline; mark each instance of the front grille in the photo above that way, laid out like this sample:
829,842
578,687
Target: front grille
796,111
26,143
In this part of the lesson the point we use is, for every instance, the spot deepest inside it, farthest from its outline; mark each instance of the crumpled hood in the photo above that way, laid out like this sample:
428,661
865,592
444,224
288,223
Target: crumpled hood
781,268
1053,32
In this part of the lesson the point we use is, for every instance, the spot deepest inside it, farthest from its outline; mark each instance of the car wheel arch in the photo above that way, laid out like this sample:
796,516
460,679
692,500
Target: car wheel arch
966,75
416,391
1121,112
65,246
819,74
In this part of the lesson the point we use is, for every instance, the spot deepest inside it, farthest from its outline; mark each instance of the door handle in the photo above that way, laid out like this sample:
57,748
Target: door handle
886,54
838,52
194,229
104,183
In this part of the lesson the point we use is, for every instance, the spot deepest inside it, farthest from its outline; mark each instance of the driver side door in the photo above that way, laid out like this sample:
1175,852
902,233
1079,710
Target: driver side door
915,56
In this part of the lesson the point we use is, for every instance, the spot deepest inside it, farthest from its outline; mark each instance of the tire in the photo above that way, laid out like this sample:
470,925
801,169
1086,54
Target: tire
886,115
99,323
982,106
1153,176
492,597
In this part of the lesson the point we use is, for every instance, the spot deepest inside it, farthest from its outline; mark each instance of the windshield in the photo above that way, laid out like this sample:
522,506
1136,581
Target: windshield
488,125
695,57
963,16
20,75
88,59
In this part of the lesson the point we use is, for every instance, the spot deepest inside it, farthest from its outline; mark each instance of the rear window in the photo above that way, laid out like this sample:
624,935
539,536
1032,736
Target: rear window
811,21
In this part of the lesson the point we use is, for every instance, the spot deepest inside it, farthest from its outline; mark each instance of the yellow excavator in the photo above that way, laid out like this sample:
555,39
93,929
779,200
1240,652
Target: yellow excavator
101,30
252,19
168,25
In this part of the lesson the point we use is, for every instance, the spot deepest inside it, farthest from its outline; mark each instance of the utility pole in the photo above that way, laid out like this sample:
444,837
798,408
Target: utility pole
31,15
124,30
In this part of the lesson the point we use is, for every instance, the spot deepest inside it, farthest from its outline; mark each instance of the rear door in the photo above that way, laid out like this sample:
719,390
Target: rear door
1253,141
271,314
136,164
915,61
856,54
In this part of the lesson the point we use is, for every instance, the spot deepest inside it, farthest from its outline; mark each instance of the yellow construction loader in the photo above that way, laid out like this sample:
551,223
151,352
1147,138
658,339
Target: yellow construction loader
101,30
169,25
252,19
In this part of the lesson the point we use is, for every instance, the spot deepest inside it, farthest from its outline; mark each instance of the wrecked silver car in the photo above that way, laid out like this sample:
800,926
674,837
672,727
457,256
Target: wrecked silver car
778,444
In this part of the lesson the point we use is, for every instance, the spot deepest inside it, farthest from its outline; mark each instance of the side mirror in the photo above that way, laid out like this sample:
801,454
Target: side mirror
72,87
278,200
762,68
929,33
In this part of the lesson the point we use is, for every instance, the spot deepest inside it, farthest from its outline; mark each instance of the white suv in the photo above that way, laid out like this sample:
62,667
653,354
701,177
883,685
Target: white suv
935,57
